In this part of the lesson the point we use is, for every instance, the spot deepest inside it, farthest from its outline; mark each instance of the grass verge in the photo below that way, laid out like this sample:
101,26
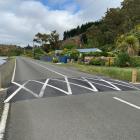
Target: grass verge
113,72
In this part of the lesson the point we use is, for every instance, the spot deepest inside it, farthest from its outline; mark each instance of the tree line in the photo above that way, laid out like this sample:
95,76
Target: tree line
116,22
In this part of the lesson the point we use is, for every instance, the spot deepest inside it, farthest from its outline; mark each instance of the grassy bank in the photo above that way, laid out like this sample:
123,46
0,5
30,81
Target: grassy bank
113,72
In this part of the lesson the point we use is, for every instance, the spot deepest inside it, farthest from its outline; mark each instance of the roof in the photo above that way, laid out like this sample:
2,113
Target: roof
89,50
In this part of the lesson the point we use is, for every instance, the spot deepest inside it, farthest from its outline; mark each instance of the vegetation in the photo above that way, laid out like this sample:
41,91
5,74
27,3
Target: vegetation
113,72
122,23
10,50
48,42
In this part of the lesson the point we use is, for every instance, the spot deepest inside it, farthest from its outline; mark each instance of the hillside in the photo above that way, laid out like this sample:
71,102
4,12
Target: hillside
104,33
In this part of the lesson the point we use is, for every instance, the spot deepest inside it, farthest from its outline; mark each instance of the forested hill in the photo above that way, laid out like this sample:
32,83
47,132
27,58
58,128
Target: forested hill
79,30
117,21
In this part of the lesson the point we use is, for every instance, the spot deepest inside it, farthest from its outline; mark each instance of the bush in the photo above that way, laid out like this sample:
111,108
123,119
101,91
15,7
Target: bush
123,60
69,46
55,60
110,62
135,61
74,54
97,62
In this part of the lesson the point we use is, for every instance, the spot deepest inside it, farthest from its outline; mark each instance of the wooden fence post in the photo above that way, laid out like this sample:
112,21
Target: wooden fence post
134,75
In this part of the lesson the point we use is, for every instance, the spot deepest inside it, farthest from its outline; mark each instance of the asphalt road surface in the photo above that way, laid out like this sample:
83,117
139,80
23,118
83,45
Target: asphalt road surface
54,103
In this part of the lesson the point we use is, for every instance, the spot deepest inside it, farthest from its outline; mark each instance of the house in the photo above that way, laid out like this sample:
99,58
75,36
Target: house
89,50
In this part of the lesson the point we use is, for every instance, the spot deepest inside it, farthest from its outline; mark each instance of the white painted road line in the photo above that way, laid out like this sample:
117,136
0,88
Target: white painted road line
51,70
12,95
115,87
94,88
128,103
52,86
43,88
28,90
6,111
13,76
68,86
74,84
4,120
48,69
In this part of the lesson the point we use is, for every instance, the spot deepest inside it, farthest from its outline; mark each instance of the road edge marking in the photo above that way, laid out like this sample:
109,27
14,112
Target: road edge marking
4,120
128,103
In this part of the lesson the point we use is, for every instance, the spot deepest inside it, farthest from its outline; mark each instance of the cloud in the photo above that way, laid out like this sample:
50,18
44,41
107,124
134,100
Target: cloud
22,19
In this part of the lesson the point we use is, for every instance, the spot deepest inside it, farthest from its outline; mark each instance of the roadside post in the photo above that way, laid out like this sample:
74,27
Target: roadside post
0,81
134,75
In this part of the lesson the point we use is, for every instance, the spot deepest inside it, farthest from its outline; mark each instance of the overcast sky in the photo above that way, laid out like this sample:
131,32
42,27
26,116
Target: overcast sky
20,20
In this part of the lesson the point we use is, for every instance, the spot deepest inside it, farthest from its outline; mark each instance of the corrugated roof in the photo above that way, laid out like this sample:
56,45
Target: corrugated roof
89,50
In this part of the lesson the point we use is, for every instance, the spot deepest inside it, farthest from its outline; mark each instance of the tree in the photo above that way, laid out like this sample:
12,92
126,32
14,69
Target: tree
42,39
128,43
133,45
54,40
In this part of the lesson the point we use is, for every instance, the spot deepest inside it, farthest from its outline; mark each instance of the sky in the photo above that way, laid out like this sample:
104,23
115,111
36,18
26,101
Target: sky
22,19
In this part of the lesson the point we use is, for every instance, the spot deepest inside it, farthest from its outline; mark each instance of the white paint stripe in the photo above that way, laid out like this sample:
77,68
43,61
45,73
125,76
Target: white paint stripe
122,83
52,86
13,76
12,95
68,86
20,87
28,90
129,86
94,88
95,83
48,69
58,89
66,79
112,86
115,87
128,103
43,88
4,120
36,81
75,84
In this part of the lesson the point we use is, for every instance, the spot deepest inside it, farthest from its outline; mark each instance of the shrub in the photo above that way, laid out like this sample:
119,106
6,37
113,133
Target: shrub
69,46
123,60
135,61
110,62
74,54
55,60
97,62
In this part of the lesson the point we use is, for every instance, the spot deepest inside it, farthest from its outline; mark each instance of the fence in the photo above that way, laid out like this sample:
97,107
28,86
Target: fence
62,59
6,71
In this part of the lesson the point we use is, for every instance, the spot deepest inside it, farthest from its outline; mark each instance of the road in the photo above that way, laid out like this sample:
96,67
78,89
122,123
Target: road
53,103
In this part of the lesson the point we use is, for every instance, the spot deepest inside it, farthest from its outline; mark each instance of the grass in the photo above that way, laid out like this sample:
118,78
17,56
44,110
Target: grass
113,72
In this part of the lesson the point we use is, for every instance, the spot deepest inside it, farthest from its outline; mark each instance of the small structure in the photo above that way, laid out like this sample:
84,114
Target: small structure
89,50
